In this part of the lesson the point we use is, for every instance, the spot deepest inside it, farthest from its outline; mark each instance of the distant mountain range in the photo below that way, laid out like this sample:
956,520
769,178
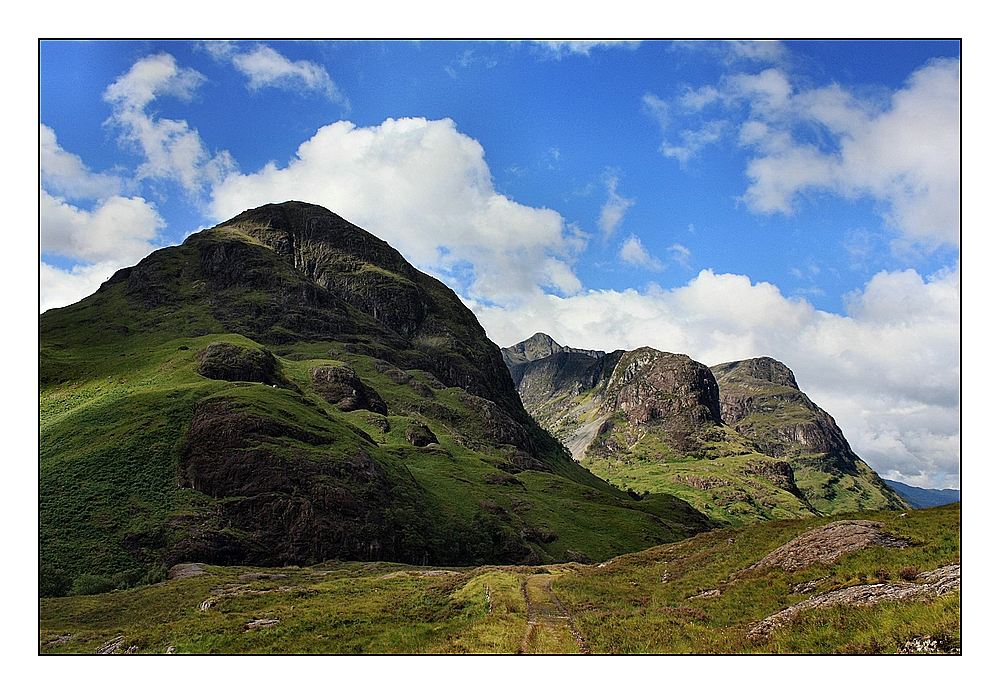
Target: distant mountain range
918,497
739,441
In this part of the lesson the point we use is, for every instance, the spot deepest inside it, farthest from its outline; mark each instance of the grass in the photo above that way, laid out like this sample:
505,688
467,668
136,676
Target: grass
635,603
113,420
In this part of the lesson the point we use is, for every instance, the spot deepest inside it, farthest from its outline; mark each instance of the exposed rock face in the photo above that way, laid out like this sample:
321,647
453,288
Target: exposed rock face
648,385
645,404
419,435
537,347
765,386
761,400
291,506
561,374
930,584
341,386
426,323
826,544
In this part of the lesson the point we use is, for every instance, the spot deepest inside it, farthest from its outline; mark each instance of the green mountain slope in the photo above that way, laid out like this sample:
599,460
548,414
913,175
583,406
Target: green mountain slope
739,441
286,389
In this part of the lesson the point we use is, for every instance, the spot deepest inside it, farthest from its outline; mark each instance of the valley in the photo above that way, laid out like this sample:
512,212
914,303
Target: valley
281,437
707,594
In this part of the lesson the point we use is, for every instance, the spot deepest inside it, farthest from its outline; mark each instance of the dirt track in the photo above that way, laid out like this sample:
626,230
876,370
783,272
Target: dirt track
551,628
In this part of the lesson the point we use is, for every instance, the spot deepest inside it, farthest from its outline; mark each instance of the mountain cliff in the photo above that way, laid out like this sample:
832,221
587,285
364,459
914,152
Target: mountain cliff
739,441
285,388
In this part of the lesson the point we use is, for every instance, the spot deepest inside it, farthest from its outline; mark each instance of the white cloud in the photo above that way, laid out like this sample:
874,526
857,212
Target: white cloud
634,253
693,141
266,67
697,99
66,173
766,51
119,229
172,149
658,109
902,151
888,371
614,208
558,49
680,254
426,189
117,233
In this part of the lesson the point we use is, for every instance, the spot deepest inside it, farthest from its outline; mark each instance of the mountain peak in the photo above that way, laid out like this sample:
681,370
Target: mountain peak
756,369
540,346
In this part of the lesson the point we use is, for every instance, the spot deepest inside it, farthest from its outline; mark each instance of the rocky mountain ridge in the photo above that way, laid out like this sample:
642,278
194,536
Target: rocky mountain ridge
628,414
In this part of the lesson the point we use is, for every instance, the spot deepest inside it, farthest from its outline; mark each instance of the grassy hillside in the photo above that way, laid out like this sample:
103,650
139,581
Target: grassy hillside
293,394
700,595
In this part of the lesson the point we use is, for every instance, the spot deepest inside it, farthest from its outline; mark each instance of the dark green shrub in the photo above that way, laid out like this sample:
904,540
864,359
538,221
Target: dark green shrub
156,574
909,573
87,584
52,582
124,580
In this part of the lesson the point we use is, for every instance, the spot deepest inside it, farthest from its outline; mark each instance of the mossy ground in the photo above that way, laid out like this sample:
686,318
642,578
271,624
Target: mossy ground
636,603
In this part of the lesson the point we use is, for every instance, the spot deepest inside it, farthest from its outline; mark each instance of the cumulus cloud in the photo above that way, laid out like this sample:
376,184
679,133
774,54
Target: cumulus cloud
118,232
266,67
902,151
66,174
887,371
634,253
118,229
172,149
614,208
426,189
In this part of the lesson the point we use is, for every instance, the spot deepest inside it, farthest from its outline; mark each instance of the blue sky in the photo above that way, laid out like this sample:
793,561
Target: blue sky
719,199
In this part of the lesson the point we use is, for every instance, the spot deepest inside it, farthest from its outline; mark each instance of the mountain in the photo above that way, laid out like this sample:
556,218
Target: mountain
739,441
284,389
918,497
761,400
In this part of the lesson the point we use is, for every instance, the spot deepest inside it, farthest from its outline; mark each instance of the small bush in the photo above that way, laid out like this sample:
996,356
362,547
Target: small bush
862,576
909,573
124,580
52,582
881,575
87,584
157,574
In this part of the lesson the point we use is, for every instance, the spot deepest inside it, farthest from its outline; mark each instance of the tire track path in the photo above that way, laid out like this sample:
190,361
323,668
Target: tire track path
551,628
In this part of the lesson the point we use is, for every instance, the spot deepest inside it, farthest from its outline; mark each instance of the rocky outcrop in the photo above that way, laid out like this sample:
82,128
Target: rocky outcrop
419,435
787,420
228,362
826,544
647,405
290,502
928,585
761,400
341,386
649,386
540,346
